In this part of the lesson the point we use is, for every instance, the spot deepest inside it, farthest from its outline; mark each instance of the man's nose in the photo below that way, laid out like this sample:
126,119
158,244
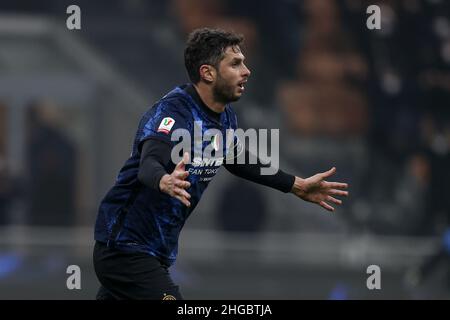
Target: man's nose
247,71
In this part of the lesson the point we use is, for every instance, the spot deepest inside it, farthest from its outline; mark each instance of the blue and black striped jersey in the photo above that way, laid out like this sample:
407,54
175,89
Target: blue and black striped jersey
135,217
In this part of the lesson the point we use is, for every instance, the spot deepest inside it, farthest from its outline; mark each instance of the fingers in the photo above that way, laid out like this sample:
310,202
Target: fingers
181,174
334,200
183,200
177,191
183,196
183,161
177,185
337,185
326,206
180,165
179,171
329,173
338,192
182,184
182,192
186,158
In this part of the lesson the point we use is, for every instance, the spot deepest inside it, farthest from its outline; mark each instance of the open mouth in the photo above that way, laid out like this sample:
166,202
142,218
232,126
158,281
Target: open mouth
242,84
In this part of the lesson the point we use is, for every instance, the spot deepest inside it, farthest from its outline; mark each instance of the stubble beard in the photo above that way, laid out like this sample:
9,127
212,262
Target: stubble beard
224,92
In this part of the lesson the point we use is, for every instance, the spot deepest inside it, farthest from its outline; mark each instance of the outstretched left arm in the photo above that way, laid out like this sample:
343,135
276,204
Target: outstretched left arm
313,189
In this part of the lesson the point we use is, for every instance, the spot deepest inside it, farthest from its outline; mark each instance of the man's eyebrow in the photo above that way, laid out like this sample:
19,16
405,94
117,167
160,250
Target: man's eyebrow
236,59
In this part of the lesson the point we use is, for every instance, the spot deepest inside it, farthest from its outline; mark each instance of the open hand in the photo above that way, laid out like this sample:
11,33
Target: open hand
315,189
174,184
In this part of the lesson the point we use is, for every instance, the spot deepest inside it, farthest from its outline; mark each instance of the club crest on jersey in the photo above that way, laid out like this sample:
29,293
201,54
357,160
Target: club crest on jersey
166,125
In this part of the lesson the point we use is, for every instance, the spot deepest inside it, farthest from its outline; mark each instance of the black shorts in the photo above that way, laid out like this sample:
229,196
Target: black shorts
132,275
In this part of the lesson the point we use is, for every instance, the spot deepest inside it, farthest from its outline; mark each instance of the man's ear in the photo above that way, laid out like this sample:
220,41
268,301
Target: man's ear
207,73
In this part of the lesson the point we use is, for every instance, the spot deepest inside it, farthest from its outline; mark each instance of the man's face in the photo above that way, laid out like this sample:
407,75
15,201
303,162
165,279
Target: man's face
232,74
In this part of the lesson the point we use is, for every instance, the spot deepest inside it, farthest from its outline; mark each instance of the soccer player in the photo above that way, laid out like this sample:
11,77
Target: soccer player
140,218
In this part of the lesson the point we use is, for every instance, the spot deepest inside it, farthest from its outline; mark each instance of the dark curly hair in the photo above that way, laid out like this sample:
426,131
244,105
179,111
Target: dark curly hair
207,46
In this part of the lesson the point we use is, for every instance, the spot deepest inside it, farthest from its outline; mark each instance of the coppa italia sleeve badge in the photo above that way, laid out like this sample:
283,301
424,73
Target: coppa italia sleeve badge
166,125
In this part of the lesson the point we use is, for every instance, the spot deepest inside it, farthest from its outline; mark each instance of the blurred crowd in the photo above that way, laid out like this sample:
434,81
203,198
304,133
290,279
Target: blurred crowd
328,76
332,77
46,187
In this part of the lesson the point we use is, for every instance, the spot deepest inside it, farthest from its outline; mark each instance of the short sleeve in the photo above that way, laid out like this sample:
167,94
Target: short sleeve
162,121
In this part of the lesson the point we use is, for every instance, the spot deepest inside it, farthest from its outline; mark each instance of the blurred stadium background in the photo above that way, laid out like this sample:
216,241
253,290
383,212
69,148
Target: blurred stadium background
374,103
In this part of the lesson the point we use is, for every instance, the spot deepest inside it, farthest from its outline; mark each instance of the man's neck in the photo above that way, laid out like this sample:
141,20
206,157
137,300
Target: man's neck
207,97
